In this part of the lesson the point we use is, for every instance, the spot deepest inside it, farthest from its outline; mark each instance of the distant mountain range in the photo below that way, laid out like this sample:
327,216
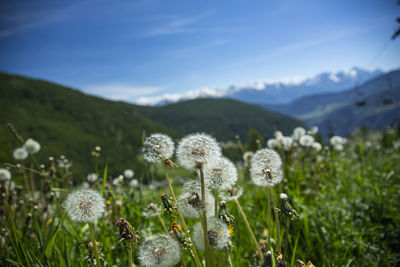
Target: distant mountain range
374,104
68,122
275,92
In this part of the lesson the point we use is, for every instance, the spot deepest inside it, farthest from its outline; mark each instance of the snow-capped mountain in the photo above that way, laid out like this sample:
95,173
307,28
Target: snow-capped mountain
279,92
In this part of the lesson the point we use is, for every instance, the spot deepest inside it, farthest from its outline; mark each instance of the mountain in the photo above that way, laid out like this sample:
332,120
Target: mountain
375,104
223,117
68,122
280,92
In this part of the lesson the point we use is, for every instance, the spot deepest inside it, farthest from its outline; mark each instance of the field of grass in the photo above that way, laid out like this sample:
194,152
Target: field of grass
348,206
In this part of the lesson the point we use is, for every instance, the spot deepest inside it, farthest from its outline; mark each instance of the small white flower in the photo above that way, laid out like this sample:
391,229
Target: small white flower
338,147
10,185
220,174
317,146
306,140
92,177
283,196
134,183
218,234
336,140
5,175
197,148
158,147
159,250
84,205
128,173
20,153
313,130
278,134
287,143
272,143
31,146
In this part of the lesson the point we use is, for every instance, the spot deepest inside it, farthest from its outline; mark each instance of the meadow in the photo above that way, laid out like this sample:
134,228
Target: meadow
332,203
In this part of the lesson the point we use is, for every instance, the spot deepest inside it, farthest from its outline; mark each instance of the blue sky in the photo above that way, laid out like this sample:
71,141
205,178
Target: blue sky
129,49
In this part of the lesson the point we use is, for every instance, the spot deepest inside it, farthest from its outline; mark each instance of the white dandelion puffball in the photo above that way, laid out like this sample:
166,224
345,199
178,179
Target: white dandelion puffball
317,146
278,134
31,146
197,148
134,183
159,250
20,153
337,140
267,157
247,155
220,174
92,177
5,175
313,130
128,173
283,196
191,207
338,147
306,140
231,193
266,177
84,205
273,143
218,234
298,132
287,143
157,147
152,210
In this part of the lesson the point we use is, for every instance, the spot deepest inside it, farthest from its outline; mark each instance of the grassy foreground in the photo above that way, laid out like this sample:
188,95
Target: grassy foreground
348,205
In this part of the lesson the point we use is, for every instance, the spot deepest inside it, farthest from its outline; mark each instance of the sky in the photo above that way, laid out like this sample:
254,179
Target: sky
128,50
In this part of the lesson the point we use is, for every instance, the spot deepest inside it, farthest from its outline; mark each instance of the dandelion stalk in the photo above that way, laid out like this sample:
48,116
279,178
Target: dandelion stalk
276,220
162,223
130,261
269,219
32,180
228,257
286,237
249,228
91,227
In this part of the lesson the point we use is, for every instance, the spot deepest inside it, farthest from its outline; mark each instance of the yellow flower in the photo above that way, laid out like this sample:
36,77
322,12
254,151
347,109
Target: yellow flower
50,220
266,232
230,231
108,202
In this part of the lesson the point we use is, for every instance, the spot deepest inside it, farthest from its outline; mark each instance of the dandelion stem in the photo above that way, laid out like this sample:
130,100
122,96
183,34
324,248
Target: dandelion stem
163,224
130,254
228,257
278,237
286,237
181,218
269,219
207,249
94,246
32,181
249,229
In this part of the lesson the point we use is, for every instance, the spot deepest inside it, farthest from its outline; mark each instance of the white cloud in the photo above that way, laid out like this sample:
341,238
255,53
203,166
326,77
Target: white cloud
121,91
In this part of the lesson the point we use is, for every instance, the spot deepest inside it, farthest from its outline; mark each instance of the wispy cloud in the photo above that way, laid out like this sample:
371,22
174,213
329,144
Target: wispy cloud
121,91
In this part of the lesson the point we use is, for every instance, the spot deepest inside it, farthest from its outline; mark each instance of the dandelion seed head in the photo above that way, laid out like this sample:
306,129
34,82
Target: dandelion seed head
128,173
336,140
31,146
134,183
220,174
5,175
197,148
298,132
317,146
20,153
273,143
306,140
218,234
152,210
231,193
287,143
84,205
157,147
266,177
283,196
313,130
92,177
159,250
278,134
268,158
191,210
247,155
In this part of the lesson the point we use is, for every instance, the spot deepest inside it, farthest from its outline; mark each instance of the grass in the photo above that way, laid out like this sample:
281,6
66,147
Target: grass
348,204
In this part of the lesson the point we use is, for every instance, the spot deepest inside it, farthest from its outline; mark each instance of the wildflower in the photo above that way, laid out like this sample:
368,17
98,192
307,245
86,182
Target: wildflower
92,177
20,153
128,173
272,143
5,175
118,180
286,210
31,146
306,140
224,213
84,205
195,150
278,134
220,174
157,147
317,146
151,210
218,234
313,130
190,203
134,183
231,193
182,237
127,232
280,261
247,156
287,142
160,250
265,170
298,132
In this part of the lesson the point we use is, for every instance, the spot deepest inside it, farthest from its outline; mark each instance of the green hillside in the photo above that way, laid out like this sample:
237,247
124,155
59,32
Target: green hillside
223,117
66,121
